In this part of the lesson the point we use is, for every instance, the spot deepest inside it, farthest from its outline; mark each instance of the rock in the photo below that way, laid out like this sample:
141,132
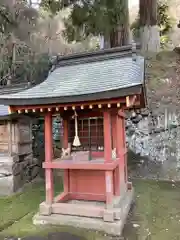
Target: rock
148,138
35,171
136,225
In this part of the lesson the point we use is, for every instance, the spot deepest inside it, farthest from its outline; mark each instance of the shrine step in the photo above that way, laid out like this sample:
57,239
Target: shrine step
96,224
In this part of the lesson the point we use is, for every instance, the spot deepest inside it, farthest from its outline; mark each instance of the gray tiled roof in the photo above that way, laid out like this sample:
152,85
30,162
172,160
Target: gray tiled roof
3,110
10,90
87,78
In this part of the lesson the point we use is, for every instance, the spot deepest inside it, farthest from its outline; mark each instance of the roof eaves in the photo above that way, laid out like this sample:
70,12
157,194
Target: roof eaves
72,99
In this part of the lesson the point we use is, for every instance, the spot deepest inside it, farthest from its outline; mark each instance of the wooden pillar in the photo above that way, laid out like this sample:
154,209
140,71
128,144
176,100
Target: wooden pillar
114,130
109,189
65,145
125,151
116,172
10,137
121,151
65,133
108,157
107,136
119,136
48,157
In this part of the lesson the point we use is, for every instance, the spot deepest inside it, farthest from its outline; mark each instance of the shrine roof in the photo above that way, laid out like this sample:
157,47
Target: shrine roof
3,110
90,76
5,115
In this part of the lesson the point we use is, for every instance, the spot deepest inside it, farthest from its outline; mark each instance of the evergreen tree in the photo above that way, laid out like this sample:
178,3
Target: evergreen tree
164,22
99,17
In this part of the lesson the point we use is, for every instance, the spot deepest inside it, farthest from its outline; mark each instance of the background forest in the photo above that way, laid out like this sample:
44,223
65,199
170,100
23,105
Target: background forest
33,32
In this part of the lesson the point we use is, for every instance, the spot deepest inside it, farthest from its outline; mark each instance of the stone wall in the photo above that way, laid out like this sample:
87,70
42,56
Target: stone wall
17,164
154,145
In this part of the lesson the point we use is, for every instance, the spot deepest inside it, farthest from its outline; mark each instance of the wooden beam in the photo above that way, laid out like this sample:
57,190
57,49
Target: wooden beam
125,102
77,105
121,113
130,101
118,105
87,197
60,164
64,196
10,110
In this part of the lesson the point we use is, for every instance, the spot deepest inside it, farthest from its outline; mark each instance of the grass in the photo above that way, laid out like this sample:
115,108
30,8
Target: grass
156,213
17,213
17,206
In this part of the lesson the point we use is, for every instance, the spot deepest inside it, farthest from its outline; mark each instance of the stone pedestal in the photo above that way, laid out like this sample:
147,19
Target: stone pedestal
109,221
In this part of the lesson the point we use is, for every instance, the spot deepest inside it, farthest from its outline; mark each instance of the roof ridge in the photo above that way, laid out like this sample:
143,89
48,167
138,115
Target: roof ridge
98,55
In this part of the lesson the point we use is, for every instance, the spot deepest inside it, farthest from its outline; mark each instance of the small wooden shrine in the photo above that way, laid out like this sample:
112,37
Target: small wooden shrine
90,91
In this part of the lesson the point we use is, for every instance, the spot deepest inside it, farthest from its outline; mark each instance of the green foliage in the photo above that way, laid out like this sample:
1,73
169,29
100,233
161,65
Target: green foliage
28,67
20,63
89,17
165,23
17,18
54,6
96,17
34,69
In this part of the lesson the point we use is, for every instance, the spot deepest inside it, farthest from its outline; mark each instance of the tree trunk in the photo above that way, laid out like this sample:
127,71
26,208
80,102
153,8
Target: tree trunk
149,30
120,36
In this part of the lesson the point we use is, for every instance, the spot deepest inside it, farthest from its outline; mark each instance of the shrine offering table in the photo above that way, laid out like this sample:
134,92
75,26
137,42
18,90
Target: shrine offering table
87,180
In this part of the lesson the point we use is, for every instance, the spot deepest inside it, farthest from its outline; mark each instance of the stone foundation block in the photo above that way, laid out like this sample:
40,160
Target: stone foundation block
129,184
6,185
109,216
118,214
108,224
45,209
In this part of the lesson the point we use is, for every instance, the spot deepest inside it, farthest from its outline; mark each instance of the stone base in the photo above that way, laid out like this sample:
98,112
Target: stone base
113,228
14,174
6,185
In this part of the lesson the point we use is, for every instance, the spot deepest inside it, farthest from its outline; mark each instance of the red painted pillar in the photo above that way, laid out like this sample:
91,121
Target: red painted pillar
108,157
109,189
114,143
107,136
48,157
114,130
65,145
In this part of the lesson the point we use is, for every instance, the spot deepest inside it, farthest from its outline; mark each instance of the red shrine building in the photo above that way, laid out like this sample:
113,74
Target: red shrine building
90,91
